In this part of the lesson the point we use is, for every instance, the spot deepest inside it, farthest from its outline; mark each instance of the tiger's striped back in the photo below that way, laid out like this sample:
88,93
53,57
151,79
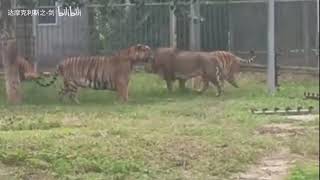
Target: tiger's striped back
225,60
99,72
230,64
94,72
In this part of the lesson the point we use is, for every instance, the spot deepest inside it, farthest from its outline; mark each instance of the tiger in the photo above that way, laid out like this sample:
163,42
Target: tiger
99,72
230,65
26,69
173,64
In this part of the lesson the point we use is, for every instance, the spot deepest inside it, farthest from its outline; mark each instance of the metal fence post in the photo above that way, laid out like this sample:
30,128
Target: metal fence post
35,43
271,51
194,25
230,27
197,25
194,31
191,24
317,36
173,23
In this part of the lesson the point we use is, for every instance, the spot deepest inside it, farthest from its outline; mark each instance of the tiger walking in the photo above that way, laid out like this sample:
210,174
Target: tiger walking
230,65
100,72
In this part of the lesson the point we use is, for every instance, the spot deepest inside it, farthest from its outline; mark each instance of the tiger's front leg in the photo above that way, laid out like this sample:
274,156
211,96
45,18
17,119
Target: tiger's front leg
69,89
73,96
205,85
62,94
182,84
122,90
63,91
231,79
169,84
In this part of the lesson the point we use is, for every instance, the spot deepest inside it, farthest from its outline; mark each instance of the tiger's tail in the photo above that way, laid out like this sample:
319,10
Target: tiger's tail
53,80
247,61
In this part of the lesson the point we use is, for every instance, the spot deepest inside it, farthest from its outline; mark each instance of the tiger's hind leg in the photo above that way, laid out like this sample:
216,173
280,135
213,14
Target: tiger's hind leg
215,78
205,85
221,83
62,93
70,90
73,89
122,90
169,85
123,94
182,84
73,96
232,81
215,82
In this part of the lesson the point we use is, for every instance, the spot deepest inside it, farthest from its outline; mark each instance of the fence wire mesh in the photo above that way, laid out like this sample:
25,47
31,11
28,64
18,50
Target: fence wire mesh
238,26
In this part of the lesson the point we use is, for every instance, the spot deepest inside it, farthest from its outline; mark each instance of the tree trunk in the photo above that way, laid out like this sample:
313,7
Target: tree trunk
9,59
8,47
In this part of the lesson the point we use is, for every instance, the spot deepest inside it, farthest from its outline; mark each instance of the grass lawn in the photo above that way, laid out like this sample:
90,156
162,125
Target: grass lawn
157,135
305,171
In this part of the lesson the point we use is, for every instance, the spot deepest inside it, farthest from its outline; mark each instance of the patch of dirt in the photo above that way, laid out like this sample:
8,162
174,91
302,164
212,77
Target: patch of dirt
272,167
283,129
38,176
276,165
14,173
6,173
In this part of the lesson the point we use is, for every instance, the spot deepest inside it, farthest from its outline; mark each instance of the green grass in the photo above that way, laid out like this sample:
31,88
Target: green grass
156,135
304,172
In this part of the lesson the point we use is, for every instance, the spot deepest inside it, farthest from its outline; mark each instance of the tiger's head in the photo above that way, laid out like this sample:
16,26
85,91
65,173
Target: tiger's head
141,53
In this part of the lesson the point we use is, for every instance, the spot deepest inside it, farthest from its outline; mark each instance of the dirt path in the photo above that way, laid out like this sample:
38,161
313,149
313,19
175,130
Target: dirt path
6,173
273,167
10,173
276,166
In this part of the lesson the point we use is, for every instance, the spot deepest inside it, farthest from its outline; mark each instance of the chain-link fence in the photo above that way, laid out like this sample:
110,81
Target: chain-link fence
238,26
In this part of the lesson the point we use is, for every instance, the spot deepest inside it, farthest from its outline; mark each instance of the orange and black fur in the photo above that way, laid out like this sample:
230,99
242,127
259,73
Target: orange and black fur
26,69
173,64
230,65
100,72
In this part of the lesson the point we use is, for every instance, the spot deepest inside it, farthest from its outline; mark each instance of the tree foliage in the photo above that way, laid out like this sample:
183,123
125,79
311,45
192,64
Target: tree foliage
116,26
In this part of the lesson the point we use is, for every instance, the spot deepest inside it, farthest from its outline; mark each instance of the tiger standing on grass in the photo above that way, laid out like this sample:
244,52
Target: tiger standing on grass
173,64
230,65
100,72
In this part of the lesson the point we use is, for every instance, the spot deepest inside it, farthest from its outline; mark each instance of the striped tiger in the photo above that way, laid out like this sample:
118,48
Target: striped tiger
100,72
230,65
26,69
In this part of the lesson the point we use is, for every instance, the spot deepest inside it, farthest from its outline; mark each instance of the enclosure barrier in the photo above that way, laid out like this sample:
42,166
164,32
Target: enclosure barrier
282,69
220,25
286,111
309,95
